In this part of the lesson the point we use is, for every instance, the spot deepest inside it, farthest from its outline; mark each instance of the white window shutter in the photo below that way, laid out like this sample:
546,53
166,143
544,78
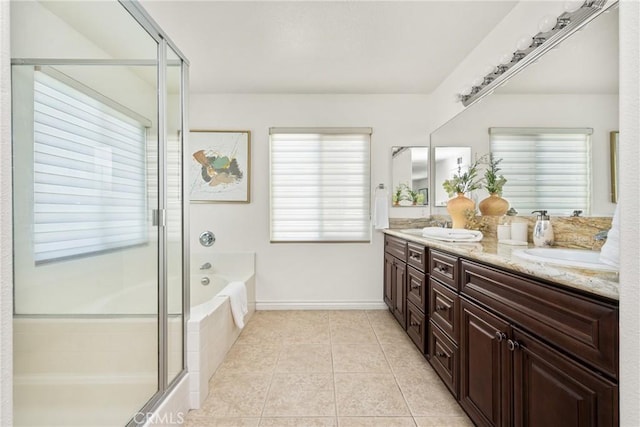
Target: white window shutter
320,185
89,174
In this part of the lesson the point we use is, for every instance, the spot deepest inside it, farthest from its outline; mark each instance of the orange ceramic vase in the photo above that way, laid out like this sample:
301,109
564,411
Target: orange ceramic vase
458,207
493,205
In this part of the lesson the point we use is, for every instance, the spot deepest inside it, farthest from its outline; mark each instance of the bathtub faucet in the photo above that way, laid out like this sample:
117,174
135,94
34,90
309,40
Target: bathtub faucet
205,266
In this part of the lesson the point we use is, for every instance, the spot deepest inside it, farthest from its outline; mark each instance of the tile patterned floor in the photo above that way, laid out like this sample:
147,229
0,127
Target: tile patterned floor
326,368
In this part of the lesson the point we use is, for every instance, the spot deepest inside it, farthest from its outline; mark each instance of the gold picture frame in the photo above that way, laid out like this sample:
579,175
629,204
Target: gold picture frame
613,155
220,167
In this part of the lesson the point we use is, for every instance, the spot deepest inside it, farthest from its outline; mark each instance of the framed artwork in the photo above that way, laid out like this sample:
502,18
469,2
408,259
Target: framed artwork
220,166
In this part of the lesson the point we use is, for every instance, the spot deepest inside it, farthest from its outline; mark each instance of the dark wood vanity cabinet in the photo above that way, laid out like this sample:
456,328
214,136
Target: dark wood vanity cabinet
512,377
417,295
395,272
514,351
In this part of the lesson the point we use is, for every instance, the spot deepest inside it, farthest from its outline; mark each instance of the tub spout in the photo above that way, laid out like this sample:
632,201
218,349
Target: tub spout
205,266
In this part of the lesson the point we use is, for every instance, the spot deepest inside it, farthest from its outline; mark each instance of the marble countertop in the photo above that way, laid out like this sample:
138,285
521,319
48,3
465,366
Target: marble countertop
600,283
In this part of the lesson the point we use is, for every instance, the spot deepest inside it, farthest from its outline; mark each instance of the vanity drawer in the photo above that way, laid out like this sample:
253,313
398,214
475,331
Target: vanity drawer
417,256
444,267
443,355
417,288
396,247
581,326
444,309
416,326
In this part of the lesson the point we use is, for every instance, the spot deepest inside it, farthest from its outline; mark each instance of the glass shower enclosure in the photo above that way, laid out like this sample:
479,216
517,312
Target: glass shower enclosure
98,114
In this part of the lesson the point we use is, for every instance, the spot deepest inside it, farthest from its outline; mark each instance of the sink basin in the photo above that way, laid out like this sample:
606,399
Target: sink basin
446,234
581,258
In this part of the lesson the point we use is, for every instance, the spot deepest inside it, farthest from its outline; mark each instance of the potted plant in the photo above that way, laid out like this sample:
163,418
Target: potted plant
494,205
461,183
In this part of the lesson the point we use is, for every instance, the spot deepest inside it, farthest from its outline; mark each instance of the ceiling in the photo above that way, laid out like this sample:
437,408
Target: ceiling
347,47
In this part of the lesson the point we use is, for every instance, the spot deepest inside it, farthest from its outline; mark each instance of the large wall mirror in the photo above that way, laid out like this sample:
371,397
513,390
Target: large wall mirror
571,88
410,169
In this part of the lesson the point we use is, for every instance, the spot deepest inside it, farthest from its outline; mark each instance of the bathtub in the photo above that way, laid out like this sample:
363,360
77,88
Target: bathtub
211,330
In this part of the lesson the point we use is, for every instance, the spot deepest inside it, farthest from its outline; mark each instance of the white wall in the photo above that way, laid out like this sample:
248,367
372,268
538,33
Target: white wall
297,275
597,111
629,212
6,241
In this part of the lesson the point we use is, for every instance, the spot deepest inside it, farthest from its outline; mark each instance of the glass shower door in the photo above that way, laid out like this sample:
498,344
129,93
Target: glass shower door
86,200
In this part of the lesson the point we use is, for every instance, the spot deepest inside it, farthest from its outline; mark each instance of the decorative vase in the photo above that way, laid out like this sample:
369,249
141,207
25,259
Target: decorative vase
457,208
494,205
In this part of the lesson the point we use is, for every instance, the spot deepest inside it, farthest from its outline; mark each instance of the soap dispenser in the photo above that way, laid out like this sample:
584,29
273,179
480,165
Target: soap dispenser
542,231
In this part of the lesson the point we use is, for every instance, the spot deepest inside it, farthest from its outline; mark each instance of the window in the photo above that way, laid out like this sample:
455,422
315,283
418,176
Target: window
89,171
320,185
545,168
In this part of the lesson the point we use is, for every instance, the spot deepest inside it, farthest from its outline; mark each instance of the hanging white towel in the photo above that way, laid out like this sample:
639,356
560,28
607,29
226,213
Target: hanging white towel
610,252
237,293
381,209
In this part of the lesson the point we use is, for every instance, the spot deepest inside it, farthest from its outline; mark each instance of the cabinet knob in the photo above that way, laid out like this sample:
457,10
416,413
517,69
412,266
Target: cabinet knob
415,286
442,308
500,336
442,354
513,345
414,323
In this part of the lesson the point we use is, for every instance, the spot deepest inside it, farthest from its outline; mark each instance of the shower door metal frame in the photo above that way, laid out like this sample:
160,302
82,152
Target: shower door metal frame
154,30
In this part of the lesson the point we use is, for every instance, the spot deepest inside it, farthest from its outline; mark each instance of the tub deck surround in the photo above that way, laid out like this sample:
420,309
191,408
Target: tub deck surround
603,284
211,330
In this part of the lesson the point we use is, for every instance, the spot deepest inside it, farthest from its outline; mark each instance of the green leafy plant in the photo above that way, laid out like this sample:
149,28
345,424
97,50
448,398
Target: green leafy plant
493,181
463,182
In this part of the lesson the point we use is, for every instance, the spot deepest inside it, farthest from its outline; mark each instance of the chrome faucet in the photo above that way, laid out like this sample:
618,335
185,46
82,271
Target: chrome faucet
576,213
205,266
601,235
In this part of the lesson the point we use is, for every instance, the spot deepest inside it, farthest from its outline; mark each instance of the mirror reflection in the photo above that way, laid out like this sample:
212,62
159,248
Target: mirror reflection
448,160
573,87
410,168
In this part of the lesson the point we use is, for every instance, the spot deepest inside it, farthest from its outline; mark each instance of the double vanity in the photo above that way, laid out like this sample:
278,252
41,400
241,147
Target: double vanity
516,341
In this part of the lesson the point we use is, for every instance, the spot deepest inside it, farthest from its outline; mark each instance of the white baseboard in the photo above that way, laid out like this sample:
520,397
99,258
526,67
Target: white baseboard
320,305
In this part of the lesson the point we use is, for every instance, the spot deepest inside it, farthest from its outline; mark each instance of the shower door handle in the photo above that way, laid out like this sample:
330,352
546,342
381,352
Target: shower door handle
159,217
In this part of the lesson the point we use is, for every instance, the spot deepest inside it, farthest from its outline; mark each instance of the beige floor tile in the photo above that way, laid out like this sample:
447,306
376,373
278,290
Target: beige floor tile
463,421
293,395
249,357
221,422
346,333
263,332
359,358
309,315
299,422
376,422
307,332
390,333
378,316
236,395
426,394
368,395
305,358
348,316
403,354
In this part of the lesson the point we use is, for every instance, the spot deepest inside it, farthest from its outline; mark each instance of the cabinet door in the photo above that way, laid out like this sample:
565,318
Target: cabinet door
485,366
552,390
399,293
389,275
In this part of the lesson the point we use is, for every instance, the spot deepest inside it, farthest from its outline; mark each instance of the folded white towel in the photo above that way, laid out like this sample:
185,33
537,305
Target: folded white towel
381,210
610,252
237,293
